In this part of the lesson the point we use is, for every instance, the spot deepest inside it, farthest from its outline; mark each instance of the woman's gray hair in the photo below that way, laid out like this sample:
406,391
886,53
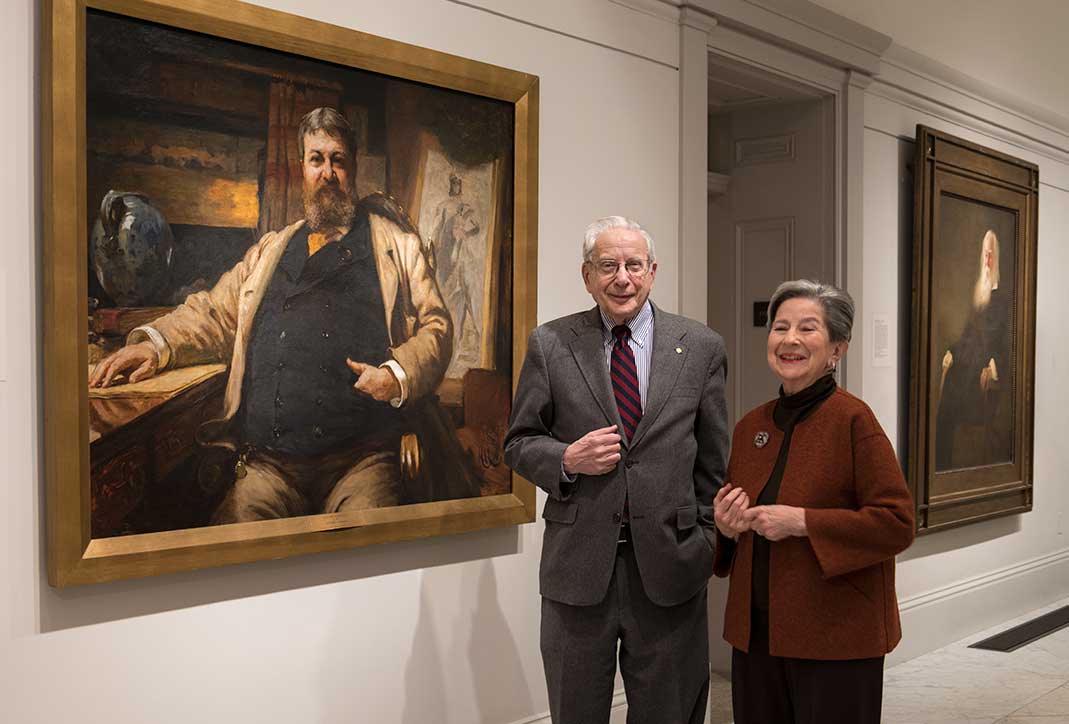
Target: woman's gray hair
613,222
838,306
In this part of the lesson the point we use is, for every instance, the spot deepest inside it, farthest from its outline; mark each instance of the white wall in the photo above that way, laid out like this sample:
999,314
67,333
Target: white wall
1018,47
429,632
953,583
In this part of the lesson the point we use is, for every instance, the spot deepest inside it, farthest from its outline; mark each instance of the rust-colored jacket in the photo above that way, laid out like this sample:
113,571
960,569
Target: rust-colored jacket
832,594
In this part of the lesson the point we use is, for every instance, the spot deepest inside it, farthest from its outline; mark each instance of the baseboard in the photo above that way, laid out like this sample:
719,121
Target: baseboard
939,617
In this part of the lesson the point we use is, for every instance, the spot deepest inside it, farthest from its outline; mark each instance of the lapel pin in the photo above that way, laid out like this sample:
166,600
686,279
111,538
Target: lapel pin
679,350
760,439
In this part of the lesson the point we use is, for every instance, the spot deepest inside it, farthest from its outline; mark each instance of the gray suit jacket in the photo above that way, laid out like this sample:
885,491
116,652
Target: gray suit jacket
670,470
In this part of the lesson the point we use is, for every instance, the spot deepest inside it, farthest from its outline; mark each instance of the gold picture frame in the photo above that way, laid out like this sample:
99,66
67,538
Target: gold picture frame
76,555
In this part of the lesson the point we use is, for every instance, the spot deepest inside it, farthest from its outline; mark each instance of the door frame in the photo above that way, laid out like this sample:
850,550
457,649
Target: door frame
803,44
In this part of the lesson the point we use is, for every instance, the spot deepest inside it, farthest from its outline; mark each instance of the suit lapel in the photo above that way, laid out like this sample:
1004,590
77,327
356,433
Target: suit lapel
669,354
588,347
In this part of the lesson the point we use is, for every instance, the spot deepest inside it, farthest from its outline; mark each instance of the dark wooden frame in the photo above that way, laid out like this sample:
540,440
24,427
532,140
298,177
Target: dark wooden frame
74,556
946,164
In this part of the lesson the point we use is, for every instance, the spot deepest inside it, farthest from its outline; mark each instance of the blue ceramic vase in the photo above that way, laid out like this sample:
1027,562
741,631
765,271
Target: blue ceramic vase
130,250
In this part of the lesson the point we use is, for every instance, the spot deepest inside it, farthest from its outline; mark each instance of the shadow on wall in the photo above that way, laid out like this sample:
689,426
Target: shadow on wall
87,605
943,541
960,538
479,635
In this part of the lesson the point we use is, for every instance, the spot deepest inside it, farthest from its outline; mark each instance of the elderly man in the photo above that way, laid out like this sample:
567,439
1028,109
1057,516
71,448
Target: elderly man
331,327
619,416
974,418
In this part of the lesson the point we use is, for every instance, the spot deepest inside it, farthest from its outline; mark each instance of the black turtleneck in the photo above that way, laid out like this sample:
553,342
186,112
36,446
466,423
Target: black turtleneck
789,411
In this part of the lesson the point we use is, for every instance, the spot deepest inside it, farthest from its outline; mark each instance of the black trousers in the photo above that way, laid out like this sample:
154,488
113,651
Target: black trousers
663,652
769,689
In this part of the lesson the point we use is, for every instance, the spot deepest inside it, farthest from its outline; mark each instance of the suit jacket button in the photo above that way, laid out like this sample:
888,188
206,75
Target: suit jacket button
616,517
629,464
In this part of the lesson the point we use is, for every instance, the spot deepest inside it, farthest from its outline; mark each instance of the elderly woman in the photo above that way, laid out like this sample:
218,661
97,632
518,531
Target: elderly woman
812,513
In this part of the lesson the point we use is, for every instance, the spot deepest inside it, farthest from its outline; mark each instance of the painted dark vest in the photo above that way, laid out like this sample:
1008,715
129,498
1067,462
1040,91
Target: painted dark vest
298,395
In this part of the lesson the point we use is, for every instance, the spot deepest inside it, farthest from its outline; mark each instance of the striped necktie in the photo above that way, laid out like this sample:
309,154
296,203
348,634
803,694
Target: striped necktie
624,376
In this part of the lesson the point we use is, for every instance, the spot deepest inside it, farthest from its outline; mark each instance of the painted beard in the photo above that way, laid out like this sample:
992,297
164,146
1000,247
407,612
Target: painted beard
982,292
328,206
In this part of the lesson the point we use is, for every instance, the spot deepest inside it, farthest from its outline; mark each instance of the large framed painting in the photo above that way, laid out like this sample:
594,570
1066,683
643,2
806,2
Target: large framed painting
973,347
289,271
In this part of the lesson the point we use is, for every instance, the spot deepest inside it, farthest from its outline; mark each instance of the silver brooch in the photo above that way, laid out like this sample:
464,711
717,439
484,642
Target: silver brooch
760,439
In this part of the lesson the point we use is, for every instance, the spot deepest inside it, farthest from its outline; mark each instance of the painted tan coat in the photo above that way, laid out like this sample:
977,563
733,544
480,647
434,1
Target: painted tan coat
214,325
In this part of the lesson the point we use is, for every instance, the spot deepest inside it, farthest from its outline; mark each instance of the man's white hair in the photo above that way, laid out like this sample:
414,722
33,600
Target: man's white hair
607,223
986,281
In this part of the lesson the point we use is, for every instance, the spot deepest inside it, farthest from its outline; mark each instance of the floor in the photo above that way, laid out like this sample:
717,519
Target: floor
959,685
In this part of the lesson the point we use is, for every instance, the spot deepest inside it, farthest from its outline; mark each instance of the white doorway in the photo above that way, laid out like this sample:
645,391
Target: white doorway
772,208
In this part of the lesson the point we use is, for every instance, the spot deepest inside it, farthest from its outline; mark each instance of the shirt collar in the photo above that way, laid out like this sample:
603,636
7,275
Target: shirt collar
641,324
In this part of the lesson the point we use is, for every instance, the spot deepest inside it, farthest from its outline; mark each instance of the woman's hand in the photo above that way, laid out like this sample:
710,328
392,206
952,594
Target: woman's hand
776,522
729,511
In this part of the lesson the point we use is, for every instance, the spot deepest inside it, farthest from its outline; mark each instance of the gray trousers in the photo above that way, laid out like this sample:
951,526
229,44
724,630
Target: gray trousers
663,653
278,486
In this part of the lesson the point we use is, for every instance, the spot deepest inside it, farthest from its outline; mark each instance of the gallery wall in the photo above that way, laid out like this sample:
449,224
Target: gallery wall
956,582
442,630
446,630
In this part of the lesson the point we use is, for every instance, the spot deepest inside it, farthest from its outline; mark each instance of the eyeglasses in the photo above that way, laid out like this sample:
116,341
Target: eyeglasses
610,267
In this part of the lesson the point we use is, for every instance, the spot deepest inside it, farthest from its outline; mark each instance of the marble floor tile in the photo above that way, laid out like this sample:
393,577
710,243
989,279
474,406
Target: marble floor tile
1054,704
720,700
959,685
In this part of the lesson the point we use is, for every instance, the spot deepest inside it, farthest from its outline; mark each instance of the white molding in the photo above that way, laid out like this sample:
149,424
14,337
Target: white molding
804,26
693,169
927,68
633,27
849,264
698,19
941,616
779,60
939,97
663,9
998,575
898,113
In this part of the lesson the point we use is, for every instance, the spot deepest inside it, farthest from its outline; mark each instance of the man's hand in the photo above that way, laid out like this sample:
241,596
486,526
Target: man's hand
595,453
375,382
988,375
729,508
140,357
776,522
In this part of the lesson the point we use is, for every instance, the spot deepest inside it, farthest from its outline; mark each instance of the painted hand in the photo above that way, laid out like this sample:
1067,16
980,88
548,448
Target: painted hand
140,357
376,382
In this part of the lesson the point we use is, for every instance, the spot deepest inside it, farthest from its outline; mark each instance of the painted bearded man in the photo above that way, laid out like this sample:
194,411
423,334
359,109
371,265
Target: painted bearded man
333,328
973,422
